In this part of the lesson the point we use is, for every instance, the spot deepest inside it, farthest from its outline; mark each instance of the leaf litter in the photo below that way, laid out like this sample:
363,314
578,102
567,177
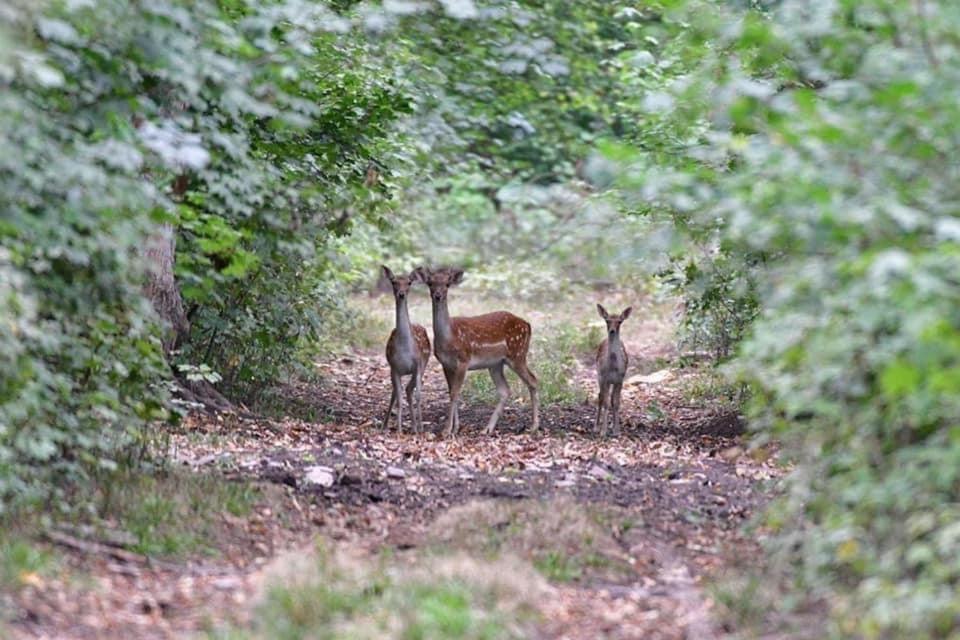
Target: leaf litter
675,491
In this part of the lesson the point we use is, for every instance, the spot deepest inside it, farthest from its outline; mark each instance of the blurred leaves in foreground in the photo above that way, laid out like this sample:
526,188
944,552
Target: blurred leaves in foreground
822,187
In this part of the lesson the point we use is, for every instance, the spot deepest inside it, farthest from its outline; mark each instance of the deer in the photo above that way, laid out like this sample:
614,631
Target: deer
489,341
408,353
612,362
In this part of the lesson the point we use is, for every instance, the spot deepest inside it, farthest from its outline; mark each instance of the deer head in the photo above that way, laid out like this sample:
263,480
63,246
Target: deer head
401,284
613,322
440,280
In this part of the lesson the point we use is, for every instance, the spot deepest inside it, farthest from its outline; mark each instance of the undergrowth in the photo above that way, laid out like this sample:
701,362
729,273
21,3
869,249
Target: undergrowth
163,513
170,513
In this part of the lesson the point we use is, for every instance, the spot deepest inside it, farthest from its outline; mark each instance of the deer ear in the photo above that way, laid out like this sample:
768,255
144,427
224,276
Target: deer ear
421,273
625,314
603,312
456,276
387,272
416,276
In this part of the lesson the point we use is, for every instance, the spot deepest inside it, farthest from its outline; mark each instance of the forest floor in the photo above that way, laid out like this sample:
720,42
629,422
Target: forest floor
568,535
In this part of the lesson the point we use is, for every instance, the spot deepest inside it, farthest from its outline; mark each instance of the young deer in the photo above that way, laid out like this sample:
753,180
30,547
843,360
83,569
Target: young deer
408,352
489,341
611,368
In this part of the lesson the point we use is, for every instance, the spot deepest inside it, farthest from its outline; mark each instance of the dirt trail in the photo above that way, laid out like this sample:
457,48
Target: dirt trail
680,479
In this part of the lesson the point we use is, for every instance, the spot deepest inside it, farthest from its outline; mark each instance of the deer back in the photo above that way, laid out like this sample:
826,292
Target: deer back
483,341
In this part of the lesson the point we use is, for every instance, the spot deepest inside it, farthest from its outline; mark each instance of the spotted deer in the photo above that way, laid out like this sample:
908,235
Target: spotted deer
408,352
488,341
611,368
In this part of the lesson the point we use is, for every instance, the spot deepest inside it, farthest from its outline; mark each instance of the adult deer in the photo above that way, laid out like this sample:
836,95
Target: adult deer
408,352
488,341
611,368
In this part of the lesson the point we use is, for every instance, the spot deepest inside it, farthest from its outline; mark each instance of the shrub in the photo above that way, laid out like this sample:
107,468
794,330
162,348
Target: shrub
823,148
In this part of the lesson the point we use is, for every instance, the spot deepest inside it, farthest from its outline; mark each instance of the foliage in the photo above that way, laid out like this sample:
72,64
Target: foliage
82,368
824,148
254,259
542,241
250,127
521,90
511,98
719,299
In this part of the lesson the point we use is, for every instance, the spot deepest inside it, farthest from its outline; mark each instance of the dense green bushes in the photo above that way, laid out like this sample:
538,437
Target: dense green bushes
82,368
246,127
831,128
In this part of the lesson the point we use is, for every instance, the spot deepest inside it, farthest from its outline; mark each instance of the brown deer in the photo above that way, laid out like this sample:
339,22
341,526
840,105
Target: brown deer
488,341
408,352
611,368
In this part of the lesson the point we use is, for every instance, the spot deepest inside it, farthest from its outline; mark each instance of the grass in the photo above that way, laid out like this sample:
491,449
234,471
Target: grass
740,601
555,353
344,593
154,513
757,602
22,561
556,566
481,574
170,514
565,541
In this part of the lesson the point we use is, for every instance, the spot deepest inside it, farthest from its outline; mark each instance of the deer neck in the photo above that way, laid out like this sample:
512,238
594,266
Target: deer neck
443,332
404,332
613,343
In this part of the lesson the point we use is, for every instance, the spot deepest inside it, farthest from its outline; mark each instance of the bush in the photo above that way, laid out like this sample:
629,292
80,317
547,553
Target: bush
824,149
82,369
225,121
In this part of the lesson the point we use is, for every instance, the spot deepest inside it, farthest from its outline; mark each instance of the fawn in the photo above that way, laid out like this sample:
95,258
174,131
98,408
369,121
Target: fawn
611,368
488,341
408,352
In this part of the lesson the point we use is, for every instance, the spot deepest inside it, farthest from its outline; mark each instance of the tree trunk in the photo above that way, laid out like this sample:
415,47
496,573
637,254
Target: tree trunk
161,286
162,291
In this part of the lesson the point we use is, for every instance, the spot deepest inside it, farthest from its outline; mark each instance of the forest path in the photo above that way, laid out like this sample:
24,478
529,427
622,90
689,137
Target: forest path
666,501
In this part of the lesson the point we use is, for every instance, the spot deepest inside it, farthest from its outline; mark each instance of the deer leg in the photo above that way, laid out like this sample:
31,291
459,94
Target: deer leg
410,405
615,405
413,398
601,401
418,397
522,370
448,374
460,379
393,399
398,391
503,390
455,383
